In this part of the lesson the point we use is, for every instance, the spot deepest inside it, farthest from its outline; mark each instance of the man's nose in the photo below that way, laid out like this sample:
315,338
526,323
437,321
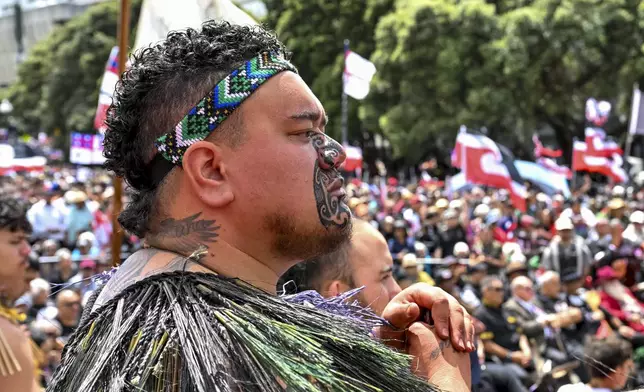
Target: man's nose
330,154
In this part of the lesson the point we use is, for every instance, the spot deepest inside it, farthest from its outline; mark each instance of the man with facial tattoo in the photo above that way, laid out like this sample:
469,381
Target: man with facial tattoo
234,181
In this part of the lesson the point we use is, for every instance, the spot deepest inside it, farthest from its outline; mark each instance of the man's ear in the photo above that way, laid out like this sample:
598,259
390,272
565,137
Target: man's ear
334,288
205,173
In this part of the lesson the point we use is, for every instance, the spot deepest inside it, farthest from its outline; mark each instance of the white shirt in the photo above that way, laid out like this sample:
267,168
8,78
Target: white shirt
44,217
581,387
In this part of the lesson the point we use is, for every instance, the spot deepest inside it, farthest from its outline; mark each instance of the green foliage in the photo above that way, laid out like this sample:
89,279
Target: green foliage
58,83
315,30
512,66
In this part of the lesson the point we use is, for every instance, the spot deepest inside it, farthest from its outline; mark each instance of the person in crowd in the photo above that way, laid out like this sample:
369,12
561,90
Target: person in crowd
516,267
488,250
86,246
618,300
82,282
567,252
68,304
503,342
472,294
617,210
18,372
599,236
412,272
63,271
537,325
49,248
231,177
80,218
428,234
401,243
610,363
387,227
450,232
634,232
40,305
581,217
365,262
48,221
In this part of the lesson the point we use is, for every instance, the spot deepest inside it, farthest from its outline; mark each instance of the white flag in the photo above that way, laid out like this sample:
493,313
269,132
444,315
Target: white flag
358,73
158,17
636,125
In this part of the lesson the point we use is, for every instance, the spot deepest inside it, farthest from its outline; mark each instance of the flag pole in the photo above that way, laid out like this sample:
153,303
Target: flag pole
345,101
572,166
123,39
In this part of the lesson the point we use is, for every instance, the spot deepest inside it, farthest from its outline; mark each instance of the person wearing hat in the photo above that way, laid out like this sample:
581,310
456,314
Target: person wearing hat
567,252
617,210
79,218
401,243
413,272
635,230
428,234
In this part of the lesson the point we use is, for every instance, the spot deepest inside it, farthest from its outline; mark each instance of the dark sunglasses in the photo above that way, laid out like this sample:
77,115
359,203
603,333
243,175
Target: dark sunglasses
71,304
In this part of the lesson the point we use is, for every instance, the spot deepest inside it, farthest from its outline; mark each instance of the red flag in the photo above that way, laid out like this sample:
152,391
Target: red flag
481,161
610,167
541,151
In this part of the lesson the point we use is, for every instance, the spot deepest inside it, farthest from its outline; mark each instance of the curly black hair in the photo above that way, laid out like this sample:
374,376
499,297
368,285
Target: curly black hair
13,215
163,83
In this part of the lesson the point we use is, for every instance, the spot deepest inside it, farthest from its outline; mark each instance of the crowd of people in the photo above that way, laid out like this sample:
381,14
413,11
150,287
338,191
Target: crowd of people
70,219
545,286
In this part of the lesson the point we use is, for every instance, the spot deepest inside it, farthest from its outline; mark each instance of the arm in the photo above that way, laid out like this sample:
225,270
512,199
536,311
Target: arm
525,346
546,259
531,328
492,348
15,344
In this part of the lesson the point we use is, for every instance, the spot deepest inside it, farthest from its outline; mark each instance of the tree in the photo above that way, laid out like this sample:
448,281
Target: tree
314,30
58,83
510,66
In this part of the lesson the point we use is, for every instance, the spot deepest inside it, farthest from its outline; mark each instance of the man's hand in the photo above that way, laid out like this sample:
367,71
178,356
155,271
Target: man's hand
598,315
451,320
437,361
520,358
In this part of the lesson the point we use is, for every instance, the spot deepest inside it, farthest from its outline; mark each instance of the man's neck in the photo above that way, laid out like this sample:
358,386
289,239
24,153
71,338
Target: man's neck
597,382
198,238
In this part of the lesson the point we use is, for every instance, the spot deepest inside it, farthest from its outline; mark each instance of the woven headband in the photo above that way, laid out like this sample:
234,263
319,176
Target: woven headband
220,103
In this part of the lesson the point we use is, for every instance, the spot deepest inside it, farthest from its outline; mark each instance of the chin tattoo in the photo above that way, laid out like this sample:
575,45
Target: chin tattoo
331,210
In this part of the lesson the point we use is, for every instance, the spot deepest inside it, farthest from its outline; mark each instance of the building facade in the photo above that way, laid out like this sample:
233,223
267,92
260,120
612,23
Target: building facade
39,17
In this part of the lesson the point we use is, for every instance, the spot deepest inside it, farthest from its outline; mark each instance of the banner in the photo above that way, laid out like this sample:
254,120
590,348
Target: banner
158,17
86,149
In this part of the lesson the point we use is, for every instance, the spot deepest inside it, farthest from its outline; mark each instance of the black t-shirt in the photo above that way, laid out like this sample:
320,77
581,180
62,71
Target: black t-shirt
500,329
447,238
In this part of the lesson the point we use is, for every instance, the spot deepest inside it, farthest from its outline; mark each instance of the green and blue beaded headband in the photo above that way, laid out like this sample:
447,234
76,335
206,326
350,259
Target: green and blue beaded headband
220,103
